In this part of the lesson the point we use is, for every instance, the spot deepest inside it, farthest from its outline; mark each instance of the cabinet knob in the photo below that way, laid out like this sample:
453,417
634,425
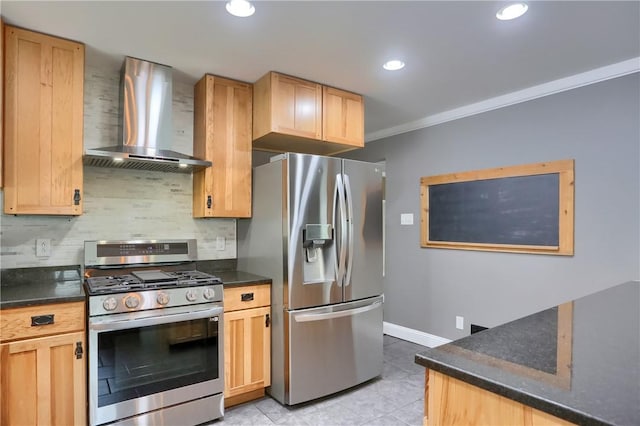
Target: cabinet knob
76,197
78,352
209,201
267,321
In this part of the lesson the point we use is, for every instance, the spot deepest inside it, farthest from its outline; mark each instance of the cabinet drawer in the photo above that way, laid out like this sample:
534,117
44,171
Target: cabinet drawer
245,297
17,323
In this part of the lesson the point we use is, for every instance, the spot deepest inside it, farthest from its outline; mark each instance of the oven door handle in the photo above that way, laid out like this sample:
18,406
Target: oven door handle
112,325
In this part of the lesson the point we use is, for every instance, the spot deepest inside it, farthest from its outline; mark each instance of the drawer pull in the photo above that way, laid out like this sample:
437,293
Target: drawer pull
246,297
267,321
41,320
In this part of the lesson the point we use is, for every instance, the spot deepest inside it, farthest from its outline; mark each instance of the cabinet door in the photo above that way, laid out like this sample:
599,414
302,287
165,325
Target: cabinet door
343,115
1,112
296,106
43,383
222,134
247,350
449,401
43,105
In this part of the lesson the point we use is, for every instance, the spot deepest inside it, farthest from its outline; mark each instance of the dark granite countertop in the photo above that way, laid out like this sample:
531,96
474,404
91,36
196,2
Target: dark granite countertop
57,284
579,361
227,272
235,278
41,285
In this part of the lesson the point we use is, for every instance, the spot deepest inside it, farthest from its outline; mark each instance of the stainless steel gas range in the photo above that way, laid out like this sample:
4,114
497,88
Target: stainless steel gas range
155,334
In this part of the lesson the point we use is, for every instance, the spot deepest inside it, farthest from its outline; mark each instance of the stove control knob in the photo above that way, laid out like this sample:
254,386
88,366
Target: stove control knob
191,295
209,293
109,304
162,298
132,302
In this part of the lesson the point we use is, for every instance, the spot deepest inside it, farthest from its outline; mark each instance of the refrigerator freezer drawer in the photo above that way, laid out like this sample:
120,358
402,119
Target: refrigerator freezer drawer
334,348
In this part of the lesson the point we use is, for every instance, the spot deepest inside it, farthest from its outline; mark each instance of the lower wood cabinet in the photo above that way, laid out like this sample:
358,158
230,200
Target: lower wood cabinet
247,343
449,401
43,379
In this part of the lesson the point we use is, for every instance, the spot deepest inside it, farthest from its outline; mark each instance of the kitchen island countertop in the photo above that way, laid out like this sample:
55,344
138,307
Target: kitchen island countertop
21,287
579,361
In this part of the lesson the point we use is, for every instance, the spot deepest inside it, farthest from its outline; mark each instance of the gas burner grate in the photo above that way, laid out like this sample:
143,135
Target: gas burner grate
149,280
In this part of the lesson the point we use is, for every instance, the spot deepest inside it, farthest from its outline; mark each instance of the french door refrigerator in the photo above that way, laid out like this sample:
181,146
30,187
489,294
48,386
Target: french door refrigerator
316,231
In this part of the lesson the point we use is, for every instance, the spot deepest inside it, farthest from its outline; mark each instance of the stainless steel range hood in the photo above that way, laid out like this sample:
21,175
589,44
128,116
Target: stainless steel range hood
146,112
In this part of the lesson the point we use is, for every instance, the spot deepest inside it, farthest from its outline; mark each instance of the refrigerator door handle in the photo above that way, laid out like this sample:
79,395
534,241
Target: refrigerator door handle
347,186
339,196
338,314
333,220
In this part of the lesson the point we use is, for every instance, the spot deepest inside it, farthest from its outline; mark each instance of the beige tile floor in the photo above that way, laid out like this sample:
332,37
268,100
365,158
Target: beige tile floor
394,399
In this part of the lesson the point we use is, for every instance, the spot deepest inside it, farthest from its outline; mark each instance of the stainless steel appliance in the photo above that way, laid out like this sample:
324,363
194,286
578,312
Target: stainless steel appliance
316,230
146,129
155,334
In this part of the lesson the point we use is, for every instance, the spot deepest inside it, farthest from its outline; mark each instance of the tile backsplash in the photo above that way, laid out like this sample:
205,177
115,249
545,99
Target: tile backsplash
119,204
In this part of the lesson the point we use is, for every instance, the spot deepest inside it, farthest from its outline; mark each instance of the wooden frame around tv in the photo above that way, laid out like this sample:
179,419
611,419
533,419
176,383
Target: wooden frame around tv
565,171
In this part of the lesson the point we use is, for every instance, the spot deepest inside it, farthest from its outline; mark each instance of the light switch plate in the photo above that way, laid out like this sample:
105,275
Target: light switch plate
460,323
406,219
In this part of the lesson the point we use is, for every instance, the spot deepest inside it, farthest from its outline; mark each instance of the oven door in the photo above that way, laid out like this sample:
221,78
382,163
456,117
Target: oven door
145,361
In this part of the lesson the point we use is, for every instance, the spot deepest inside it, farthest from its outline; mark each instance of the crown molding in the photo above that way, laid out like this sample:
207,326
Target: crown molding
608,72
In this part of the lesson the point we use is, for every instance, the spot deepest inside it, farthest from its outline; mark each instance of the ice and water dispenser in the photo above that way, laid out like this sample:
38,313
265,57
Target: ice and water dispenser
317,242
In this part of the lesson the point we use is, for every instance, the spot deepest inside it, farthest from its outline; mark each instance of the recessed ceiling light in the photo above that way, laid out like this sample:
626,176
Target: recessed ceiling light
512,11
241,8
393,65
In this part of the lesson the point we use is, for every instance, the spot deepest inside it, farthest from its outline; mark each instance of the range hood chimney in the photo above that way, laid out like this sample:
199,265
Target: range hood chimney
146,104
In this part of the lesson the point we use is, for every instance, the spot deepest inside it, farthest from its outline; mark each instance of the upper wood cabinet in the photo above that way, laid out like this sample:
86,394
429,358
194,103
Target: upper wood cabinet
43,113
291,114
343,117
288,105
222,135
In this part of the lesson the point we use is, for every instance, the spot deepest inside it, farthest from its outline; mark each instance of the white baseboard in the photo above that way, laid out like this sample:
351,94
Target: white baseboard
411,335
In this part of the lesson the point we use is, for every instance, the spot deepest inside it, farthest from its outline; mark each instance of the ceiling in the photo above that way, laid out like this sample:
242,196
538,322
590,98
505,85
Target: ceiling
456,52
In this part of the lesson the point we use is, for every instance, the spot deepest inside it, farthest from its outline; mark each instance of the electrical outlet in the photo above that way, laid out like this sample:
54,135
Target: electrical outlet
43,247
220,243
460,323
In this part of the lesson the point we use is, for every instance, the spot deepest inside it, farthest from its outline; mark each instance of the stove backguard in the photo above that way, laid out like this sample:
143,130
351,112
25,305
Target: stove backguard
110,253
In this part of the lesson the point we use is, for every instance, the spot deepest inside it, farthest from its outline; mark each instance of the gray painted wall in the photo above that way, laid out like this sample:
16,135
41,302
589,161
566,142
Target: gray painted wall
598,126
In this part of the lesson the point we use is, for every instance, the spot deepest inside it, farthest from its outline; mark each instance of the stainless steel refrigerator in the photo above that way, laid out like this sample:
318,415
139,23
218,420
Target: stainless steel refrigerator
316,230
